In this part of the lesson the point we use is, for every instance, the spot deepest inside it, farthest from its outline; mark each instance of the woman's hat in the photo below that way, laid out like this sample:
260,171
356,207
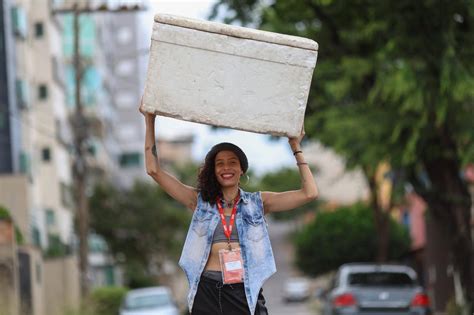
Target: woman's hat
227,146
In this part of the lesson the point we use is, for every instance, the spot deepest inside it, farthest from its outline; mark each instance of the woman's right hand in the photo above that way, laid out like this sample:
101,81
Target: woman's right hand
142,110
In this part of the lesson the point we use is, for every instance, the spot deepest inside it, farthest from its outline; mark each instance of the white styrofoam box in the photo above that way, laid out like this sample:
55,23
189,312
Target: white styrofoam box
229,76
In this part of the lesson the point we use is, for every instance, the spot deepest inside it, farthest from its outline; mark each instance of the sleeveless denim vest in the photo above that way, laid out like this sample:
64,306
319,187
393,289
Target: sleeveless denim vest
257,254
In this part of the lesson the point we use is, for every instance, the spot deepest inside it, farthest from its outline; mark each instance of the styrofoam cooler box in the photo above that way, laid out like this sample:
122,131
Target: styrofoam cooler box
229,76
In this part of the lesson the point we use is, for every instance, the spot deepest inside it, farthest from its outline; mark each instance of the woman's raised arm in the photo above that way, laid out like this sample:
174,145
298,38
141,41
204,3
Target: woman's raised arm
182,193
281,201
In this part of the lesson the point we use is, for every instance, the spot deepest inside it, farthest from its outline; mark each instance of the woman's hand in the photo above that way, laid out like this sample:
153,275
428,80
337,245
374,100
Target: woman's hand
142,110
296,141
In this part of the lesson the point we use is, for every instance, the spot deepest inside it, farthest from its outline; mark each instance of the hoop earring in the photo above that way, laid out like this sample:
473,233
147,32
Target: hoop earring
248,179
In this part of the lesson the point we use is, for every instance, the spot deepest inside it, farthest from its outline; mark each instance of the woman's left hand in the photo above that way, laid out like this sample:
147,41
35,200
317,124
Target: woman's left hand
296,141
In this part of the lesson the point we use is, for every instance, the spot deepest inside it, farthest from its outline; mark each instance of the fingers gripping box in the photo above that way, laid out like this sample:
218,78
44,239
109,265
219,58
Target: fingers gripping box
228,76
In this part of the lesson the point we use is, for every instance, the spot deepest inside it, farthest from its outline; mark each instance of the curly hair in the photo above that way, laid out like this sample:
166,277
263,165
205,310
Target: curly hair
207,183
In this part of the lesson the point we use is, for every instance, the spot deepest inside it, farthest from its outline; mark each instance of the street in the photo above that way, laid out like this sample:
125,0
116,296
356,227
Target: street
273,288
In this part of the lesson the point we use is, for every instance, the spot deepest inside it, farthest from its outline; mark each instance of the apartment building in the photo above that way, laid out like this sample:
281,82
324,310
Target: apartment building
35,164
119,36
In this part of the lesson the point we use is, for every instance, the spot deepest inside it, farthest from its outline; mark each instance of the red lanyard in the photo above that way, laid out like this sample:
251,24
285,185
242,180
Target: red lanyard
227,229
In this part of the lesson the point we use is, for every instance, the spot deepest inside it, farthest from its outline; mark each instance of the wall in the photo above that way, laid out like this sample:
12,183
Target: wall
62,290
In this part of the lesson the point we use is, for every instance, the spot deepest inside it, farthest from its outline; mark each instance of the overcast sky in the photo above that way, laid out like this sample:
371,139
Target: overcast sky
264,154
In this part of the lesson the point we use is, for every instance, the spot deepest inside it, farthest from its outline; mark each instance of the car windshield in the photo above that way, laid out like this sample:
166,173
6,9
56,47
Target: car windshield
147,301
380,279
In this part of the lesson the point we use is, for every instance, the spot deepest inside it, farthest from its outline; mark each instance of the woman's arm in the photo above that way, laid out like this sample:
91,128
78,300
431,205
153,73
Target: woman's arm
274,202
182,193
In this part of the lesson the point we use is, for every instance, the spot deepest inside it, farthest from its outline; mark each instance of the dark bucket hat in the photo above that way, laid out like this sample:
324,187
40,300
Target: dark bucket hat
227,146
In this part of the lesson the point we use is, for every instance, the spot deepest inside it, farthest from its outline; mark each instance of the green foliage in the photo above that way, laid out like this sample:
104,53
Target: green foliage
5,215
187,173
142,226
384,87
394,82
56,248
107,300
349,229
137,276
452,308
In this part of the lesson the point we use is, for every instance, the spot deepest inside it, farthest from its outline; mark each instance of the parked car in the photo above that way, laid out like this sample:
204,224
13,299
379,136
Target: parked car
149,301
296,290
376,289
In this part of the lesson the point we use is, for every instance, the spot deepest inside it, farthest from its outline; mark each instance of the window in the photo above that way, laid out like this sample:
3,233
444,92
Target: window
39,30
20,28
125,68
124,35
36,236
21,93
25,163
66,195
380,279
42,92
50,217
38,273
46,154
131,159
125,99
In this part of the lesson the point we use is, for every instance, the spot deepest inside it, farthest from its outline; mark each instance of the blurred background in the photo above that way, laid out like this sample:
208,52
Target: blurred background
390,130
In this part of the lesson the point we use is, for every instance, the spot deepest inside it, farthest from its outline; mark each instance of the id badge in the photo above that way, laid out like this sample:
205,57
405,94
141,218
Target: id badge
231,265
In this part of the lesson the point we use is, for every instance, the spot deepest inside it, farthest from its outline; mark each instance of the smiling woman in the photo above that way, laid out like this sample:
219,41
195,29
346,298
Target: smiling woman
227,255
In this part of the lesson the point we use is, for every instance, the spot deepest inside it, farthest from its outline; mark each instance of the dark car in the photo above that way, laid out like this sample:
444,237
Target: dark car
376,289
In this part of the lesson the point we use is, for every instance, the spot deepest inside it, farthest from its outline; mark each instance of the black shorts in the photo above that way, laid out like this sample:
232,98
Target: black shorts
214,298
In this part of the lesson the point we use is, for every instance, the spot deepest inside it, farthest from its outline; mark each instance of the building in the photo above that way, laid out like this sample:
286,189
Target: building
119,38
333,177
35,162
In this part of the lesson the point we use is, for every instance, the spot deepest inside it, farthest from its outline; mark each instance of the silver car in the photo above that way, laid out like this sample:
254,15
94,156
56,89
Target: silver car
149,301
376,289
296,290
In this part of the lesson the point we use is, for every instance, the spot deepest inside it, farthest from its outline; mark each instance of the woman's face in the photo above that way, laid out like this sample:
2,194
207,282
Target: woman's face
227,168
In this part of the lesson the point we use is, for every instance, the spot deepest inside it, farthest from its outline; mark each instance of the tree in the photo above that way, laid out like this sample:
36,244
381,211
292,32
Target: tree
350,230
143,225
393,83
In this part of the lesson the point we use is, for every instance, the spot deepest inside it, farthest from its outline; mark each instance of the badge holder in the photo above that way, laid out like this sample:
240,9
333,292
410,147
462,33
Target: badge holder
230,259
231,265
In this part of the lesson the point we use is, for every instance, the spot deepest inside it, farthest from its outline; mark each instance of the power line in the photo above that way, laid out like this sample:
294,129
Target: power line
27,124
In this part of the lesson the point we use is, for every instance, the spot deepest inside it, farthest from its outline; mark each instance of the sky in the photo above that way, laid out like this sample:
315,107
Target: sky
264,154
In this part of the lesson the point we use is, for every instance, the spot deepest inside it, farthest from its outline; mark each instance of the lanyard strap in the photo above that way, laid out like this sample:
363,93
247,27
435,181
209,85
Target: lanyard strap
227,229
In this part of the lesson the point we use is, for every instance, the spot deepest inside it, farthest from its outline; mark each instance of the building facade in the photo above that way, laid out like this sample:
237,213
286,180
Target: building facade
35,161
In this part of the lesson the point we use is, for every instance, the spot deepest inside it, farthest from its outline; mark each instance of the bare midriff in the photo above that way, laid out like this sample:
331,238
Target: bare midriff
213,261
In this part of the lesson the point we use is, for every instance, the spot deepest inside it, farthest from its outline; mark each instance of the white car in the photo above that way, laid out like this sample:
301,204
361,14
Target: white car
296,290
149,301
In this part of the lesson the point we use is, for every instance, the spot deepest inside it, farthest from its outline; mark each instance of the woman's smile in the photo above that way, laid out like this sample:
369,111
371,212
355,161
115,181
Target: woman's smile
227,168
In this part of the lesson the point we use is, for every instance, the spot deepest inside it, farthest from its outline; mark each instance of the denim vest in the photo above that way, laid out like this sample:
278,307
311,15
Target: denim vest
257,254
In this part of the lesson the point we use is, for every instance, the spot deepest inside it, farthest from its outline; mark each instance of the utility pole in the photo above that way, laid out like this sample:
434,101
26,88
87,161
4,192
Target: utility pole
79,124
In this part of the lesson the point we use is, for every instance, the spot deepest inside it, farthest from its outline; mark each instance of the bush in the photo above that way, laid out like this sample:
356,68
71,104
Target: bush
344,235
107,300
5,215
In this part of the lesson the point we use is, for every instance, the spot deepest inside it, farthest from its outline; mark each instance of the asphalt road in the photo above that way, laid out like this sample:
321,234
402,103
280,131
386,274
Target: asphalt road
273,288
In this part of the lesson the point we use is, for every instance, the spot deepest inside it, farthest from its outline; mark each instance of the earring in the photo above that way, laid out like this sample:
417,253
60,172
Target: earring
248,179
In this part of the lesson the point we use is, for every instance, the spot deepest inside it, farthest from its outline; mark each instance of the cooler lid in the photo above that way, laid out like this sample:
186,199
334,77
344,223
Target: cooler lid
237,31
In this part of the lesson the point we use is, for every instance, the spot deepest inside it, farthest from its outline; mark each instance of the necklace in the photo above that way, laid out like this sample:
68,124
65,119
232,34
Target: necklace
230,203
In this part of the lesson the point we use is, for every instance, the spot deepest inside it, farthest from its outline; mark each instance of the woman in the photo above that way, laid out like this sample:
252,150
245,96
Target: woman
227,255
